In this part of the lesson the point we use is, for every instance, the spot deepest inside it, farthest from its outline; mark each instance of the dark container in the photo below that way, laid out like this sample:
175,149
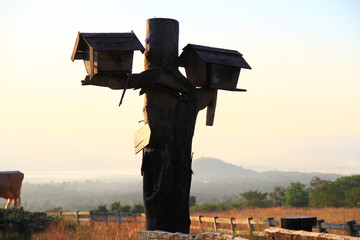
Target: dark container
298,222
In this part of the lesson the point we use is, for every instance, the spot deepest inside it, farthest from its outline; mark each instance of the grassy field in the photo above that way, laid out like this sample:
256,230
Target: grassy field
68,230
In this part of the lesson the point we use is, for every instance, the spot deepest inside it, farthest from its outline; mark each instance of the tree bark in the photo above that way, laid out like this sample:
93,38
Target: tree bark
170,110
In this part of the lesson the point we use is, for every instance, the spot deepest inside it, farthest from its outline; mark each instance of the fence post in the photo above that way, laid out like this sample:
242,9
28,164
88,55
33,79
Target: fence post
77,217
250,226
91,218
215,224
200,222
319,226
117,217
232,225
351,230
270,224
106,218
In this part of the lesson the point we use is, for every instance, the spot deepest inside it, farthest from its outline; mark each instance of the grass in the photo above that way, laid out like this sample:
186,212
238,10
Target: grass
67,229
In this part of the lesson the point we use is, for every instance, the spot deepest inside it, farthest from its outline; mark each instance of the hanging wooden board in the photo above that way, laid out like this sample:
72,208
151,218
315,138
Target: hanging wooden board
142,138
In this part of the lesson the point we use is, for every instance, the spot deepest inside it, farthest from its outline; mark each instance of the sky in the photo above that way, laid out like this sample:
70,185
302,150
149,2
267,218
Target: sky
301,111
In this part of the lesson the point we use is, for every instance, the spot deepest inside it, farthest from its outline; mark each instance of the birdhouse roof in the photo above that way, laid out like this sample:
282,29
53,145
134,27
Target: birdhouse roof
105,42
215,55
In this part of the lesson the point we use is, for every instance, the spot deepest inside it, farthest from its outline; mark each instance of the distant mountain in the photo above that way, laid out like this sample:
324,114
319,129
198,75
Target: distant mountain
212,167
214,178
213,181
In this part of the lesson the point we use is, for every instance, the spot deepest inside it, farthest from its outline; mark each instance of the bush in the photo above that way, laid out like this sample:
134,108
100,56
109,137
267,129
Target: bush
17,223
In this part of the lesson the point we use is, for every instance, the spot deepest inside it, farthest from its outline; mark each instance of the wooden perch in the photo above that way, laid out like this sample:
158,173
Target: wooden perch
210,113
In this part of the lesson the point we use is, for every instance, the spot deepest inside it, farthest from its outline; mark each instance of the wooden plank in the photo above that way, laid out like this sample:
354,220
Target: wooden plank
114,61
142,138
68,214
84,213
240,221
224,76
274,222
224,220
73,55
207,219
341,226
259,221
210,112
90,71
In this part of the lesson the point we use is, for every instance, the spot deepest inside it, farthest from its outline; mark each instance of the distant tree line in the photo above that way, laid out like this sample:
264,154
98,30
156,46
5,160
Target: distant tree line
114,207
343,192
117,207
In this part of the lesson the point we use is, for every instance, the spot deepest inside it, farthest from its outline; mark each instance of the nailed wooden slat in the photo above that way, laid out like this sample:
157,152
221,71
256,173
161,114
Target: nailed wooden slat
240,221
142,138
342,226
259,221
68,213
84,213
223,220
210,113
207,219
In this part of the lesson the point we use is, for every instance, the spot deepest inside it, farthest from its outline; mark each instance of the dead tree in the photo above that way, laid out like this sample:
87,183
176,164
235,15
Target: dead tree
171,105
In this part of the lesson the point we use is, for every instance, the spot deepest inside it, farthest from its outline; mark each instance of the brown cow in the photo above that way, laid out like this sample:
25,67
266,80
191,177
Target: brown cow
10,186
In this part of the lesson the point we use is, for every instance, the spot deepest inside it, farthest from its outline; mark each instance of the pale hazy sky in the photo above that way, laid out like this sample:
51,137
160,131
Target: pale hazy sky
301,111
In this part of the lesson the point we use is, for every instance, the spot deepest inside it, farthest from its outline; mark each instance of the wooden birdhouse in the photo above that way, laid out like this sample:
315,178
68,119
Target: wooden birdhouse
212,67
106,53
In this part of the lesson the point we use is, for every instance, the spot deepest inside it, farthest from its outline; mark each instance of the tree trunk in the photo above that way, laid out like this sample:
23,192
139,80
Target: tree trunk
170,108
171,115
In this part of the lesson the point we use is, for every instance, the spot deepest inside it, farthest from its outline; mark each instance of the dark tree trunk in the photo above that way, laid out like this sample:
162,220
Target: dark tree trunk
171,106
171,114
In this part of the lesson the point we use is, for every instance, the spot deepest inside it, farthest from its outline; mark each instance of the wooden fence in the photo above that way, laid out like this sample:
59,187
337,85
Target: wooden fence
86,218
248,227
351,227
253,228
